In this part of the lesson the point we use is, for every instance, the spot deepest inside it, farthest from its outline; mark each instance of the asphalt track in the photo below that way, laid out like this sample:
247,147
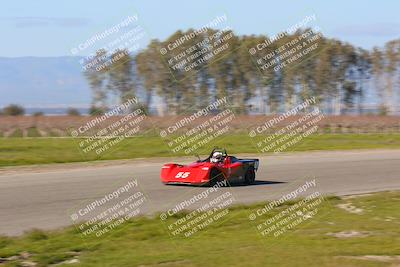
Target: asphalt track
45,197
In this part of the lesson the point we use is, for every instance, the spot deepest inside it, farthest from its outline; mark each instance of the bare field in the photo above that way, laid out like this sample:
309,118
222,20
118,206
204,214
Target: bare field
59,126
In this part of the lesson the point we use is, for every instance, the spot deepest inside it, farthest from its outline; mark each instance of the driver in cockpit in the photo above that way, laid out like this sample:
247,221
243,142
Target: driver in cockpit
216,157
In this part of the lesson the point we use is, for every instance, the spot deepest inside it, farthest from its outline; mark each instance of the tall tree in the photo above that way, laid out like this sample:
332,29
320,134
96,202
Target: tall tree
391,60
120,75
95,72
377,70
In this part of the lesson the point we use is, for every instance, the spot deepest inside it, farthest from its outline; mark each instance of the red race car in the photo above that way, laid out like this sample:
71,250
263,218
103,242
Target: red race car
216,168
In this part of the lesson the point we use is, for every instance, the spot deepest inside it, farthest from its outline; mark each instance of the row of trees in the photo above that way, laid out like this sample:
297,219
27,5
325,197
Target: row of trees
12,110
17,110
338,74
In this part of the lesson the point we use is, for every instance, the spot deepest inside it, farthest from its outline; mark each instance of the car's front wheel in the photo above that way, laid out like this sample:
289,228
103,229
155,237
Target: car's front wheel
215,177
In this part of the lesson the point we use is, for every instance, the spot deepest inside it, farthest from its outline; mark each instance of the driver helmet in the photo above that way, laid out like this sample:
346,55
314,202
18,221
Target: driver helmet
216,157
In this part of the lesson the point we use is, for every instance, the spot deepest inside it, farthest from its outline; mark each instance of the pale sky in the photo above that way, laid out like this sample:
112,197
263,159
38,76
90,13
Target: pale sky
52,28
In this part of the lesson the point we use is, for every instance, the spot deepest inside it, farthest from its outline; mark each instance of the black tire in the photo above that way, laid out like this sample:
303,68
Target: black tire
250,176
215,177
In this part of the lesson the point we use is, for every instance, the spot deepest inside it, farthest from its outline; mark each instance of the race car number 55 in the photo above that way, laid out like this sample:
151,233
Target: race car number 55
182,175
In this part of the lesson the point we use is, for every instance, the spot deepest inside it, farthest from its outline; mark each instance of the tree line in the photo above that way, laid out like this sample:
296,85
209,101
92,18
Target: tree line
17,110
337,73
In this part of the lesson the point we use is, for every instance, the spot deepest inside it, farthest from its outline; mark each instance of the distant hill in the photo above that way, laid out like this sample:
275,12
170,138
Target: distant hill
43,82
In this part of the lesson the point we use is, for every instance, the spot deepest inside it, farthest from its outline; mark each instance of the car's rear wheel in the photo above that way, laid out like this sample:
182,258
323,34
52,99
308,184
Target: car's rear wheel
250,176
215,177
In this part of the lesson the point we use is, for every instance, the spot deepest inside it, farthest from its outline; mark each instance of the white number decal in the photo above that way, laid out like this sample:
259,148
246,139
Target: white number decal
182,175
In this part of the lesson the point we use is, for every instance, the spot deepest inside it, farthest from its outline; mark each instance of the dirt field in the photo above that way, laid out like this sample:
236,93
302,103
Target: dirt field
58,126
